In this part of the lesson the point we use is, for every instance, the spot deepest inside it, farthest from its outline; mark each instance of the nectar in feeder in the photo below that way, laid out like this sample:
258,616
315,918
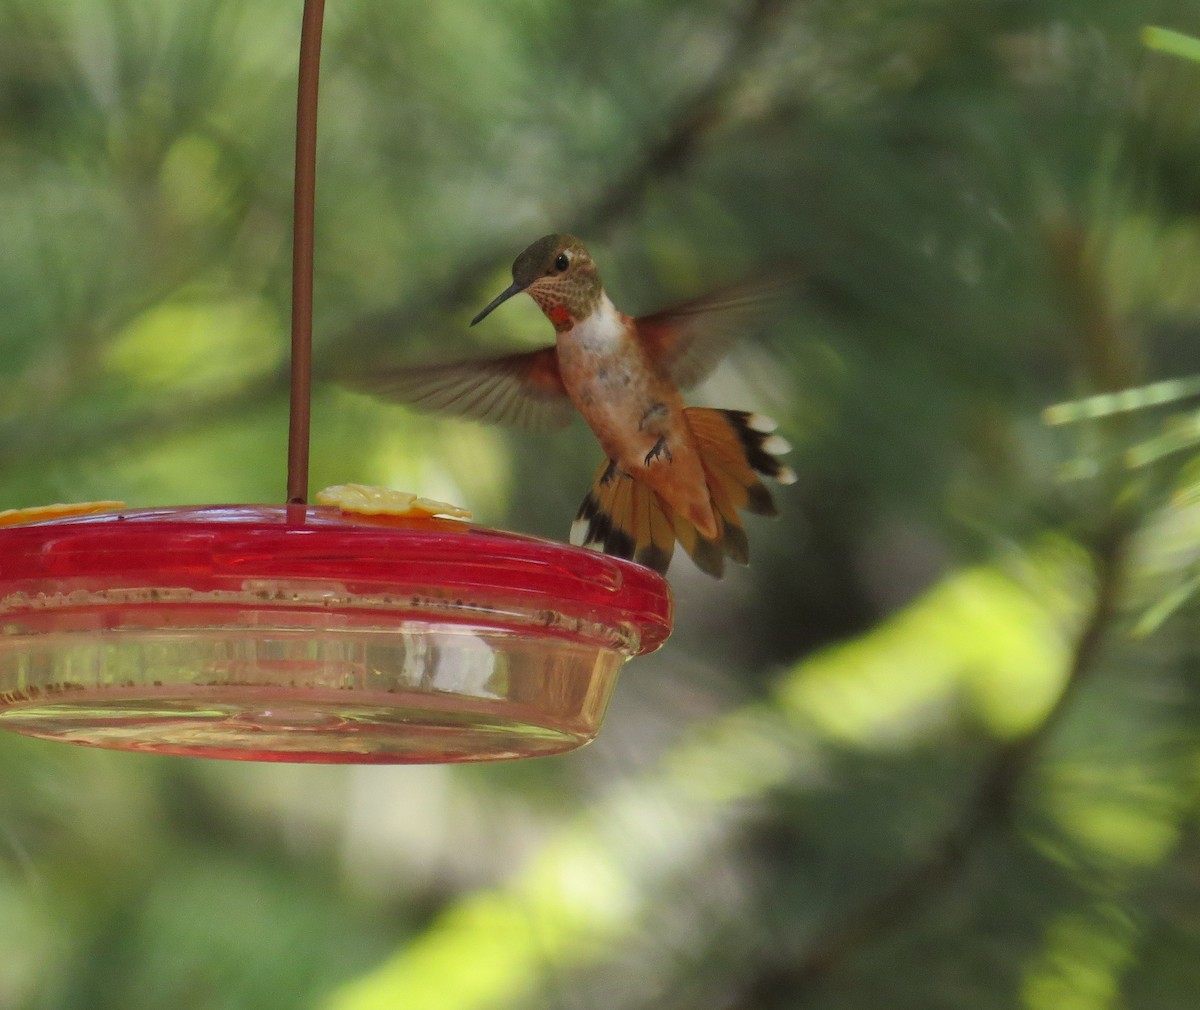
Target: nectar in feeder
300,633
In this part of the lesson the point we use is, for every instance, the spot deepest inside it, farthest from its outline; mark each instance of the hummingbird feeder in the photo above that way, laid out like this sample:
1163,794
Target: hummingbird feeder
302,633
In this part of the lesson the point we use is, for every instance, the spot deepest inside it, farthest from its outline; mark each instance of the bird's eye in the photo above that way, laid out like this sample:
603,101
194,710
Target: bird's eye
561,262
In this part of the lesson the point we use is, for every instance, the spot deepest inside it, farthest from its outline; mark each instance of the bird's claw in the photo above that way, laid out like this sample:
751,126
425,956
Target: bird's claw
659,449
610,472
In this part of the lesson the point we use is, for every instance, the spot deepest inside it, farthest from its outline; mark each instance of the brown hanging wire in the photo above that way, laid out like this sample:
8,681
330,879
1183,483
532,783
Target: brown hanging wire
300,408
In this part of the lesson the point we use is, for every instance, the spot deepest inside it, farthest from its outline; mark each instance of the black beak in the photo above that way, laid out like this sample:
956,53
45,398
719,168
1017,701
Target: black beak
513,289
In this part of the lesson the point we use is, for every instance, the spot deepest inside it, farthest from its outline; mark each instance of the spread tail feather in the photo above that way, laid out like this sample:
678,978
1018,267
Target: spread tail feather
622,516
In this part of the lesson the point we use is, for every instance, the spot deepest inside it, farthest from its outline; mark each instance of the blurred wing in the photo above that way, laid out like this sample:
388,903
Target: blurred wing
690,339
523,390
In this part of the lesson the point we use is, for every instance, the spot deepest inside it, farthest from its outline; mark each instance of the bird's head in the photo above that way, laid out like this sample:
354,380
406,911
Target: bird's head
558,273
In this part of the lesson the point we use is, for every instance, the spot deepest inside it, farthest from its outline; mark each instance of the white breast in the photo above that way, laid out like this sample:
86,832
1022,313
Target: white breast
601,332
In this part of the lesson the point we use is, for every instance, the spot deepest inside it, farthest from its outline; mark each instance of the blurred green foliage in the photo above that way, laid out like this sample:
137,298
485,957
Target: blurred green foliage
937,747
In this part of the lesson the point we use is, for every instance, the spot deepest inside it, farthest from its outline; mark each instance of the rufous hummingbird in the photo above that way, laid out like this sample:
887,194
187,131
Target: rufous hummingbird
672,472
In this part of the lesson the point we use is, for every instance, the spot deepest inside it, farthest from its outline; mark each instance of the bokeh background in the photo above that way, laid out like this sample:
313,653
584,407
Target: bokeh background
938,747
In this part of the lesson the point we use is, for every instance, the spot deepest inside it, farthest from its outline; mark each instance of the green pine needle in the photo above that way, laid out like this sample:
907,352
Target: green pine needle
1164,40
1153,618
1123,401
1181,434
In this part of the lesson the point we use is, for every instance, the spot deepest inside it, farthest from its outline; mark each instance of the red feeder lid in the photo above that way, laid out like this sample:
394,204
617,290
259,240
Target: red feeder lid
301,633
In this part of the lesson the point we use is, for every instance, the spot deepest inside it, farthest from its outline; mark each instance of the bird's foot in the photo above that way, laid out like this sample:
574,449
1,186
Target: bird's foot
610,472
659,449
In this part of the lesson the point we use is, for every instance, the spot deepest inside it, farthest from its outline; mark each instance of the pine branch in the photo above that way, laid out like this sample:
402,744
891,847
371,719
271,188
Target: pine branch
696,119
670,154
987,812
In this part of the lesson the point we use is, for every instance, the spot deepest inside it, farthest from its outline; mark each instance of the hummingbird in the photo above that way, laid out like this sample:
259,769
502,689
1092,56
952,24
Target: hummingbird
671,473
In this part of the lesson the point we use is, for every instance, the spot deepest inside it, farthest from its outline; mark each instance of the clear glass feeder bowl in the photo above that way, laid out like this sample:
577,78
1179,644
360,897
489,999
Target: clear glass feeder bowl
292,633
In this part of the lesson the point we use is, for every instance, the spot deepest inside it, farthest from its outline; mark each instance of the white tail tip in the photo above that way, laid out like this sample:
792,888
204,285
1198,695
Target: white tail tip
761,423
776,445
